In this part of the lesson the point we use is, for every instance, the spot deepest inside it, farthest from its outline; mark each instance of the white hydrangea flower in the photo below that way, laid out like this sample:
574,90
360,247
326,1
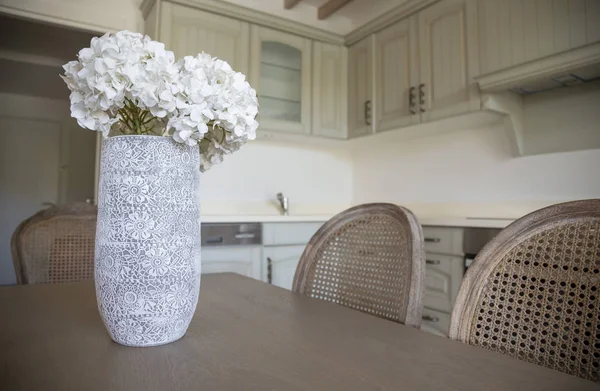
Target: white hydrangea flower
216,107
117,67
202,100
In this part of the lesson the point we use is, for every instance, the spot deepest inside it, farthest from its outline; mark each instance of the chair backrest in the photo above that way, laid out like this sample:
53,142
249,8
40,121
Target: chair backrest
56,245
533,291
369,258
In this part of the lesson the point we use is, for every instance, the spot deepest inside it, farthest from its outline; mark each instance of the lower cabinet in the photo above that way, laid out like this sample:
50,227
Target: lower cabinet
280,264
435,322
444,271
241,260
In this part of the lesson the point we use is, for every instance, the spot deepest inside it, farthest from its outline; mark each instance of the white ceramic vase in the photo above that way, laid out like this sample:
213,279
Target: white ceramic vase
147,265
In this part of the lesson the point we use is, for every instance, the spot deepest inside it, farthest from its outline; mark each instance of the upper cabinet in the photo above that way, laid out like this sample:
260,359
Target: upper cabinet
447,59
513,32
280,71
396,75
360,88
528,45
329,90
188,31
422,68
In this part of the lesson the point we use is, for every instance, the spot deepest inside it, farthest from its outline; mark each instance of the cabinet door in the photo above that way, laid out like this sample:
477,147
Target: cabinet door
396,72
360,88
187,31
513,32
435,322
443,276
283,262
281,74
240,260
329,90
448,59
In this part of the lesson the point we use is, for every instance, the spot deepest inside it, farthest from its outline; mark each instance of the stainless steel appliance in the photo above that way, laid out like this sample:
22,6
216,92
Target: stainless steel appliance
231,234
473,241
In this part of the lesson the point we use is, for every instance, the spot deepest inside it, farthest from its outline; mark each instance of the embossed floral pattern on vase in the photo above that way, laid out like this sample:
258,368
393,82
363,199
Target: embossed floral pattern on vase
148,239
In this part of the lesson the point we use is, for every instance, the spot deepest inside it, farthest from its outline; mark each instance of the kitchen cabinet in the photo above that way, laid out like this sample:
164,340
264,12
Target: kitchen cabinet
396,75
280,71
417,70
435,322
444,271
284,244
329,118
280,264
514,32
448,59
188,31
360,88
241,260
443,276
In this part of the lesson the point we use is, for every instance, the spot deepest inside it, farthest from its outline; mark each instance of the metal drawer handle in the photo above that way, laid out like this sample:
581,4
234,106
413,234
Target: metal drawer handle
368,113
412,100
430,318
432,262
422,97
241,235
214,240
269,270
432,240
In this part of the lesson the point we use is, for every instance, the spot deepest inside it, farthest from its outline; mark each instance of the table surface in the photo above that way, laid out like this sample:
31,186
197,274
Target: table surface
245,335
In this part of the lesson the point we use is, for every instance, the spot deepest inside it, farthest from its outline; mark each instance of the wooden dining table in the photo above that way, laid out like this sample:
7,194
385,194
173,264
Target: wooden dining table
245,335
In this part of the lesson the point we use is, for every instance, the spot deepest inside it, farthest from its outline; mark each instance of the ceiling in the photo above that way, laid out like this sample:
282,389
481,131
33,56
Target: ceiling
345,20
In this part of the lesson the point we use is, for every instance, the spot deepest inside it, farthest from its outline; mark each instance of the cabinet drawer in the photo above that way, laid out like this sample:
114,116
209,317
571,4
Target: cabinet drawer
277,234
435,322
228,259
443,240
443,276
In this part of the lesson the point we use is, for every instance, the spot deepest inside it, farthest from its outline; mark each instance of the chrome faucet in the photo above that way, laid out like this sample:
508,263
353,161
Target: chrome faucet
283,203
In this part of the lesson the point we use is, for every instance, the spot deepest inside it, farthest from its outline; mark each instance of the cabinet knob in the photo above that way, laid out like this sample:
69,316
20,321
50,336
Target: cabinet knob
422,97
269,270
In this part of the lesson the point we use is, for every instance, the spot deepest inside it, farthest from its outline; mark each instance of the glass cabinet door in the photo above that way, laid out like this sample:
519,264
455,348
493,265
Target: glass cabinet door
281,75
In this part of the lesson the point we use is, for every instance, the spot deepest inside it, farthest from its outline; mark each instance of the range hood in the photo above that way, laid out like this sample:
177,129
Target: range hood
576,66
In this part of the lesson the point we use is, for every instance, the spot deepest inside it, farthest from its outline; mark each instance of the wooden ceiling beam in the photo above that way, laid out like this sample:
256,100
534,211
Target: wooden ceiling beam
289,4
330,7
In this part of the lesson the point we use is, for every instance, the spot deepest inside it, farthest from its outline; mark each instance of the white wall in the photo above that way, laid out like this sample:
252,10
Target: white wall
473,171
471,166
315,181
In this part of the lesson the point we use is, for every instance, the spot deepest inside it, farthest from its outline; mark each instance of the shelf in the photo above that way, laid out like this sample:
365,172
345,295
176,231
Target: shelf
270,64
279,99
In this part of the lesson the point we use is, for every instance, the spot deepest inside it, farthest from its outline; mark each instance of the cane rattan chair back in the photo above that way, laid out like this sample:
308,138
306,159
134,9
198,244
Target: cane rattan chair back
56,245
369,258
533,291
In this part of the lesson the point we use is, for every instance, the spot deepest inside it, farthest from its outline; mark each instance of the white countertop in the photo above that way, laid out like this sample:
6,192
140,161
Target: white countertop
465,222
263,218
431,221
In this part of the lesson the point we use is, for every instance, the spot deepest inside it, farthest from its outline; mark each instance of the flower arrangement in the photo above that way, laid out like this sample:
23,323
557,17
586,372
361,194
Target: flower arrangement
127,83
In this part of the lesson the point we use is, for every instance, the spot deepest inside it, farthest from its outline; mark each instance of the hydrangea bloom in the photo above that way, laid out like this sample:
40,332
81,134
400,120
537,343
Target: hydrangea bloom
130,79
218,111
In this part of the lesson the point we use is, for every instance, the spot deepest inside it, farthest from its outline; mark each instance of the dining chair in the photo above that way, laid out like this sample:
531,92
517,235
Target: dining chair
56,245
533,291
369,258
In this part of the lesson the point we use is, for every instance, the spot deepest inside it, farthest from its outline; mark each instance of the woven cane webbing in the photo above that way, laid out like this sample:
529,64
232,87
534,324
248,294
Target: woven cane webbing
540,302
56,245
364,261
